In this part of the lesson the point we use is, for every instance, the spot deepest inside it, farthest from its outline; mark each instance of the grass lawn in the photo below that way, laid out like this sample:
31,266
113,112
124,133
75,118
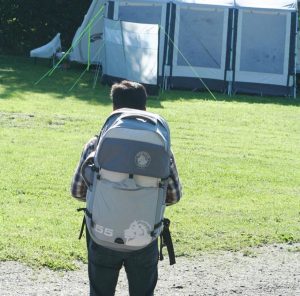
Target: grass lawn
238,158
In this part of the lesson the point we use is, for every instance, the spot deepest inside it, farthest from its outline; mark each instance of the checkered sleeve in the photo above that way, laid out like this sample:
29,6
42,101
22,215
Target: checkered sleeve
78,186
174,190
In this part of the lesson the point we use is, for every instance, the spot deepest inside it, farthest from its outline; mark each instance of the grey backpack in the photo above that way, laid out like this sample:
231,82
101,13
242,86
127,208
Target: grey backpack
127,180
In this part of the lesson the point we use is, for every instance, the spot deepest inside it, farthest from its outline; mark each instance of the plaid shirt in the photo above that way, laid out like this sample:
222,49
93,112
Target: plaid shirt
79,188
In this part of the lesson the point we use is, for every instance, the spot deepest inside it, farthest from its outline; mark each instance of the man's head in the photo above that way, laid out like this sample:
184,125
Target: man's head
128,94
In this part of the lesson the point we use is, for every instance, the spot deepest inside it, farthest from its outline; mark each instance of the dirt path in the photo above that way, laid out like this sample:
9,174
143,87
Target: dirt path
270,270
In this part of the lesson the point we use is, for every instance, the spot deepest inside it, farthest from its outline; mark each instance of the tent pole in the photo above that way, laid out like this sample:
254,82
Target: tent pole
166,61
295,58
231,56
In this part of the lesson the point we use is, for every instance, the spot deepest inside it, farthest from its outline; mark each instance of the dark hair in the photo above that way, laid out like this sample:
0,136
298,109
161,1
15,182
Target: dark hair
128,94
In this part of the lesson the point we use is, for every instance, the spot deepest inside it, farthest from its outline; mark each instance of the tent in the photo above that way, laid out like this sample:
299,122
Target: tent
135,48
146,12
48,50
201,44
87,44
240,46
265,47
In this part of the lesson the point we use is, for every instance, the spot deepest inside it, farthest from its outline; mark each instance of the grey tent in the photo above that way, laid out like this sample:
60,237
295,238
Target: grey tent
202,44
265,47
240,46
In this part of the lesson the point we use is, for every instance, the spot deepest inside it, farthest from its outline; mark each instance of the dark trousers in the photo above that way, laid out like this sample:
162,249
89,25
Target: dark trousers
104,266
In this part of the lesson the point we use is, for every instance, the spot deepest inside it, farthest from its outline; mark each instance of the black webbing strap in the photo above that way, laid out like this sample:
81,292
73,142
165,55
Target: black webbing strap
83,221
166,240
82,228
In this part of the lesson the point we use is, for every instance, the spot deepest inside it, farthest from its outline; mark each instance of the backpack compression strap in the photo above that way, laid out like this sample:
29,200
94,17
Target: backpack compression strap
165,237
83,221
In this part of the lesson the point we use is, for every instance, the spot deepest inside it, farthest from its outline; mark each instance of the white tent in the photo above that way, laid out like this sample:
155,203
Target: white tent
48,50
147,12
135,48
87,44
232,46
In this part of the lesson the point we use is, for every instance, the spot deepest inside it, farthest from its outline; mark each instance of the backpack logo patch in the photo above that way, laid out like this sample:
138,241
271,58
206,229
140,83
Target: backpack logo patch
138,234
142,159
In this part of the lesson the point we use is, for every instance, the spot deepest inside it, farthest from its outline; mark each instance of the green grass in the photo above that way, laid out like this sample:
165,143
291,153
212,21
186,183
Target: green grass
238,159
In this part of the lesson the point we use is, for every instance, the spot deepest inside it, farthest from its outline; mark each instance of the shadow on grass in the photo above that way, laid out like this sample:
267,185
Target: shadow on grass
19,74
22,74
175,95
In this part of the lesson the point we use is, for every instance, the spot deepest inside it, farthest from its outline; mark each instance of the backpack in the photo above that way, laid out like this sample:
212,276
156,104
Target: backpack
127,181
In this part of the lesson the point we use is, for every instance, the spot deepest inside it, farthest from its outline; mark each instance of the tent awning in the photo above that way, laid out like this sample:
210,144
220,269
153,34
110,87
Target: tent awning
145,1
227,3
267,4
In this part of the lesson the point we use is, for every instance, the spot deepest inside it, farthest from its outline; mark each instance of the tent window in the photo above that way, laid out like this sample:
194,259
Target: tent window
200,38
140,14
262,50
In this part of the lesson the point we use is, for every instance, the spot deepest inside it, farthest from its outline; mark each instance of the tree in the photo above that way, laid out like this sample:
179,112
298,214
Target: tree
28,24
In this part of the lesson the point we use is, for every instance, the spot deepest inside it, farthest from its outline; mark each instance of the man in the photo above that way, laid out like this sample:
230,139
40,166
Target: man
104,264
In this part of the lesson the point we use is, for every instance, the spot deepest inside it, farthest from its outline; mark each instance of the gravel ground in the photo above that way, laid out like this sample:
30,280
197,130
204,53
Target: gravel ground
269,270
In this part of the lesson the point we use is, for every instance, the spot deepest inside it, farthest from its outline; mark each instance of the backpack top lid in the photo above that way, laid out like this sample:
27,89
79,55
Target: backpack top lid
153,118
135,142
